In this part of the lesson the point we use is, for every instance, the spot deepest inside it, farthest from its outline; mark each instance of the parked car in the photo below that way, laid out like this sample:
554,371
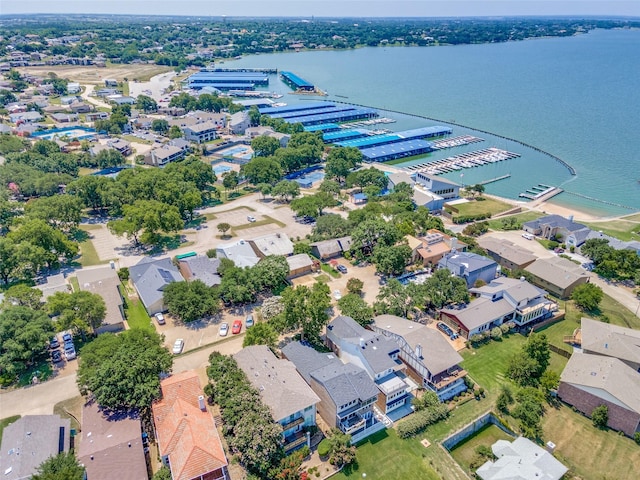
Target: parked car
248,322
54,343
56,356
251,218
160,319
70,353
528,236
67,338
224,329
178,346
236,327
341,269
337,295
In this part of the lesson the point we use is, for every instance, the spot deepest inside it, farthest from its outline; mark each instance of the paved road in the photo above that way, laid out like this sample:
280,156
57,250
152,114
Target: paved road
40,399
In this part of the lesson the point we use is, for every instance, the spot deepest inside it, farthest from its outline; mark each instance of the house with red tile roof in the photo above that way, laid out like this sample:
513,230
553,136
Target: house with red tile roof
188,440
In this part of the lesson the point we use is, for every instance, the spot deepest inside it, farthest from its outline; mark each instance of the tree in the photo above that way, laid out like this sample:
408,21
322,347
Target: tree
81,311
354,306
174,132
340,161
270,273
24,335
372,232
330,186
444,289
53,242
600,416
391,260
301,247
523,370
312,205
286,190
63,466
306,308
23,296
62,211
354,285
262,170
230,180
108,158
265,146
146,104
368,177
190,301
223,228
160,125
107,368
537,348
341,452
20,260
587,296
163,474
549,380
148,217
504,399
529,411
261,333
428,399
329,226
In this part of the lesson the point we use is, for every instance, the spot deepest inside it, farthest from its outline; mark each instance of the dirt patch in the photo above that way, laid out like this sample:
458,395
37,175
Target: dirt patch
96,75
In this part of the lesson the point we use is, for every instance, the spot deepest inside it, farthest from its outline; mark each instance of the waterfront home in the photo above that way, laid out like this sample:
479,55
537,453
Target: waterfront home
432,247
506,253
347,394
469,266
431,360
378,356
552,227
201,132
557,275
290,399
502,300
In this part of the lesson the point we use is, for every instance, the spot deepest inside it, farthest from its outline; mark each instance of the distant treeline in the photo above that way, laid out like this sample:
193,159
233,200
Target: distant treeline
183,41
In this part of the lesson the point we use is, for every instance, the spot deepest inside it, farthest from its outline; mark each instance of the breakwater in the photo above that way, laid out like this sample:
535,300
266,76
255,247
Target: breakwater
572,170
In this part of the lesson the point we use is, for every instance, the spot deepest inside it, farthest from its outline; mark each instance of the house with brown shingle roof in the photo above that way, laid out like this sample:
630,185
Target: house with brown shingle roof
188,441
111,444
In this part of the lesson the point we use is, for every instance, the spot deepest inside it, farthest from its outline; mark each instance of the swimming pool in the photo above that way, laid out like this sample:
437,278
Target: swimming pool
233,151
220,169
71,132
307,181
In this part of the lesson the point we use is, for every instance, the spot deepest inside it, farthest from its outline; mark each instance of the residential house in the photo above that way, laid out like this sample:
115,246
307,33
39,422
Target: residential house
68,100
506,253
52,284
430,359
440,186
80,107
552,227
557,275
253,132
330,248
25,117
161,156
201,132
605,371
121,146
272,244
502,300
29,441
93,116
291,401
471,267
300,264
198,116
188,441
200,267
104,281
347,394
150,277
122,100
239,122
579,237
521,459
591,380
240,252
378,355
429,249
111,444
64,117
181,143
73,87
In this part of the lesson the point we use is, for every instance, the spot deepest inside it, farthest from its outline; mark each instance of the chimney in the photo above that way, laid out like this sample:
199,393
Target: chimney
454,244
419,351
201,403
551,446
112,264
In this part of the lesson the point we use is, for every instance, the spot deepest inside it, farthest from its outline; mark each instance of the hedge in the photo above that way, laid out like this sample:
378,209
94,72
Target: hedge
421,420
470,218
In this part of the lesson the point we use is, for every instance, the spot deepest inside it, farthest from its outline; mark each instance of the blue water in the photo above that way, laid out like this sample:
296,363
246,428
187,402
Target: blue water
576,98
232,151
220,169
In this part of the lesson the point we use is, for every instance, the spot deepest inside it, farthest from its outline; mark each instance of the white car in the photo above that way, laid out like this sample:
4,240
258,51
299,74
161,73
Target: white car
70,353
251,218
178,346
160,319
224,329
337,295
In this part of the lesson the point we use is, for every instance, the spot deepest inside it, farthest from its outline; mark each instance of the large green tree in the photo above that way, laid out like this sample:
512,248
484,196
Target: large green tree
261,333
262,170
81,311
306,308
391,260
143,220
190,301
62,211
340,162
53,242
354,306
265,146
587,296
123,371
63,466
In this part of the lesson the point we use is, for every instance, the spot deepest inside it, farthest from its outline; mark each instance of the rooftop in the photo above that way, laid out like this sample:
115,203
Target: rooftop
272,244
507,250
103,281
554,221
557,271
281,387
610,340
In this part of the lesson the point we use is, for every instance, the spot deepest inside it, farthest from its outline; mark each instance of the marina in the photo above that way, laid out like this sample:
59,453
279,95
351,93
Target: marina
366,123
462,161
455,142
538,191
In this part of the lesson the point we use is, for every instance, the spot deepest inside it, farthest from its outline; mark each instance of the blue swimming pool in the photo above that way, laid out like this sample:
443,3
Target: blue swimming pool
233,151
220,169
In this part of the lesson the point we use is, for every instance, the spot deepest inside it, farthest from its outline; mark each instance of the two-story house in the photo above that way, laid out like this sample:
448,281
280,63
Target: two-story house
469,266
430,359
201,132
347,394
291,401
378,356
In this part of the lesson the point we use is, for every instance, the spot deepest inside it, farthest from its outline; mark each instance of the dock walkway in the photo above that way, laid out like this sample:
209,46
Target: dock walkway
464,160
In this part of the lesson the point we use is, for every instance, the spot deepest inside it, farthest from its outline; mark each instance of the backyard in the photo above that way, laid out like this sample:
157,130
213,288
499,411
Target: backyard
464,452
480,206
520,218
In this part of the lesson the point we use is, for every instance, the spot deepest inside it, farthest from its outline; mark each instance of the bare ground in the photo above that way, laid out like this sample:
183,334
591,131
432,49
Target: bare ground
90,74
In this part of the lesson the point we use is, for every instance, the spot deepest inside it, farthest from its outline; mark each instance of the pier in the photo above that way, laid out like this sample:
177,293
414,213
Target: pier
270,71
455,142
541,193
464,160
493,180
366,123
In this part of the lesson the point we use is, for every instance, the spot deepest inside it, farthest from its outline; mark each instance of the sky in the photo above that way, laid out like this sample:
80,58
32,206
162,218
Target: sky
328,8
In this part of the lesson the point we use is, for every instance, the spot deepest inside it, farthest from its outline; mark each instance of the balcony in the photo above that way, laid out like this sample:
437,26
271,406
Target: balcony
575,339
352,424
446,378
293,423
295,441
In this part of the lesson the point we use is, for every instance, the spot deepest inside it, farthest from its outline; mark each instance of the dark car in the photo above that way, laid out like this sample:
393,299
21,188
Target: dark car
341,269
56,356
54,343
67,338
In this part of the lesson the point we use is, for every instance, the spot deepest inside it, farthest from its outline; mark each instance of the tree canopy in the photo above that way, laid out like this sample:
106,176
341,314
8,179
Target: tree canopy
190,301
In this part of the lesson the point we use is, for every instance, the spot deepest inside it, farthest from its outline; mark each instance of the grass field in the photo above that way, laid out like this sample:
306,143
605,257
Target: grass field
496,224
477,207
71,409
464,452
88,254
7,421
624,229
590,453
384,456
137,316
486,364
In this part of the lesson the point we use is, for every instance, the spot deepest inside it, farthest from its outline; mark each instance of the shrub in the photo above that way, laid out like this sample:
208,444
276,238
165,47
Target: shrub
600,416
421,420
211,253
636,437
505,328
496,333
476,339
123,274
324,447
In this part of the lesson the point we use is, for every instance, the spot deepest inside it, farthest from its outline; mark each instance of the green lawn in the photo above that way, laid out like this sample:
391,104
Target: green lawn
384,456
74,283
624,229
326,268
464,452
265,221
7,421
496,224
590,453
88,254
43,370
477,207
137,316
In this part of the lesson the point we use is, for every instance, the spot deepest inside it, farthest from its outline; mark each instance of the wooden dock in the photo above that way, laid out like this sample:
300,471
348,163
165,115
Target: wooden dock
455,142
541,193
492,180
464,160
